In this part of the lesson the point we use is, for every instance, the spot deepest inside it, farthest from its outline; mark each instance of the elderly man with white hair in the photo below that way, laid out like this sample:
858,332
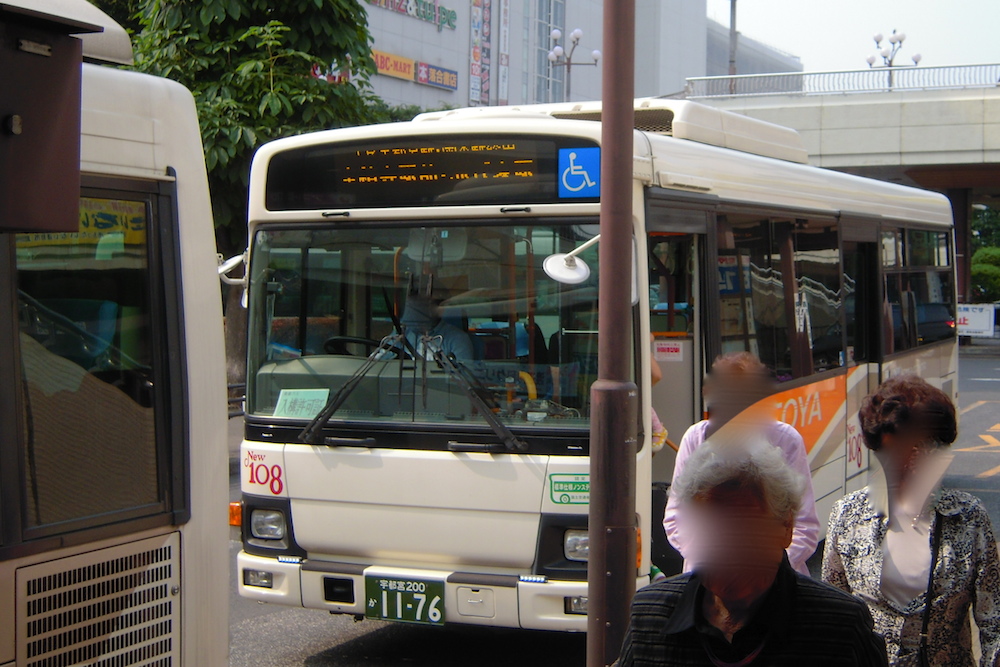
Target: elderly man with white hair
744,604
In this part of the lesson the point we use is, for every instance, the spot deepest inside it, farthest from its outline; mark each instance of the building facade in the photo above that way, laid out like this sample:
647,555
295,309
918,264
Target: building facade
752,57
455,53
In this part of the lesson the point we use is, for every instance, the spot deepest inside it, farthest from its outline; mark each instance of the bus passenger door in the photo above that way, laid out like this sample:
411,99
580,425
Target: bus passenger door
863,314
673,261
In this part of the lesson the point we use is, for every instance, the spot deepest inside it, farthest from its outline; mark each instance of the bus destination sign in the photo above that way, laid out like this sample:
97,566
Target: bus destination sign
435,171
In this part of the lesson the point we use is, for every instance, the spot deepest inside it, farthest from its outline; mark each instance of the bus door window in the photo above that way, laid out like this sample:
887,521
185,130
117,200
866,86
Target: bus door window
671,284
672,261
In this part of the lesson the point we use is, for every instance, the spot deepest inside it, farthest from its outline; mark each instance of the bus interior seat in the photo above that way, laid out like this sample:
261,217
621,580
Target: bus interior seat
490,340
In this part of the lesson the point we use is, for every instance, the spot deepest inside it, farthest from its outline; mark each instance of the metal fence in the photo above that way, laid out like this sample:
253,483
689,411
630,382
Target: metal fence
874,80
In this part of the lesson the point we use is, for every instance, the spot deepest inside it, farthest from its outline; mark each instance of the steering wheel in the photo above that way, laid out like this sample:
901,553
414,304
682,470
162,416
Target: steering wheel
338,344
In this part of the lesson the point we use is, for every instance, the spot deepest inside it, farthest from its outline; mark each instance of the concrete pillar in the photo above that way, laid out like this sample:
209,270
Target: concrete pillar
961,205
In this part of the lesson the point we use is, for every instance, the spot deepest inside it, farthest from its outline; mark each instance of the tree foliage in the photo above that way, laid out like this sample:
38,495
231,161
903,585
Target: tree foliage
987,256
985,275
985,283
985,225
248,64
125,12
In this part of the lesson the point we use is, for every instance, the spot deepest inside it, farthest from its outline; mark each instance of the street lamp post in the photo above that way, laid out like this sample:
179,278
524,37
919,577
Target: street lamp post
558,56
732,38
888,53
733,35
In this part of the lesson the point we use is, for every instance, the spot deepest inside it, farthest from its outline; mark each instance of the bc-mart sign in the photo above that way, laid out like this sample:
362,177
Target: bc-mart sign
392,65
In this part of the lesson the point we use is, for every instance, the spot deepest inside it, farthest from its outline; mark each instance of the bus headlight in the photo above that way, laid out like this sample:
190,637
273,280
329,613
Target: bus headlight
576,545
267,524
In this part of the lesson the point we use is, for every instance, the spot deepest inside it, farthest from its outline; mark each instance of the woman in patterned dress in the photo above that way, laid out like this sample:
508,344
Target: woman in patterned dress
880,540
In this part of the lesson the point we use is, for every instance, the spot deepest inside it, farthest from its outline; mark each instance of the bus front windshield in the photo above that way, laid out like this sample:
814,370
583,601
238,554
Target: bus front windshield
373,307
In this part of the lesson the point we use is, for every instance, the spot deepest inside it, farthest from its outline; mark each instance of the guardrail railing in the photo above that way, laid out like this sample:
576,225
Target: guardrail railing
874,80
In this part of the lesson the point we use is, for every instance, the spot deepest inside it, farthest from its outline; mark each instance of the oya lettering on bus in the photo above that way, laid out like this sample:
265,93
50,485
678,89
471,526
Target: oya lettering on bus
261,473
799,411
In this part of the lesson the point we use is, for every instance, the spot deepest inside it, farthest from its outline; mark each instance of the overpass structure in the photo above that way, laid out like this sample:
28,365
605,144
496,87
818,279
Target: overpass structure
933,127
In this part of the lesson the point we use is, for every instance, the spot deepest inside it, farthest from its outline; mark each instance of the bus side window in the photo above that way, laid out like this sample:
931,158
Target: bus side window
819,301
93,391
919,289
780,292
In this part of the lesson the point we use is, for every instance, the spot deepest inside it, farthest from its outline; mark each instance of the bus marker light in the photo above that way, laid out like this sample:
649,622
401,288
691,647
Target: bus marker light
638,549
257,578
236,514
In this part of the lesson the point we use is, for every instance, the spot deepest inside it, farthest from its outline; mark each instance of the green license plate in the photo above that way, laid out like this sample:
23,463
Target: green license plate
404,600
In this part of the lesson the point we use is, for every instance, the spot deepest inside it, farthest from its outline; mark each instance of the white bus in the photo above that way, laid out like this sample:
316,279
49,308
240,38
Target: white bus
443,477
113,465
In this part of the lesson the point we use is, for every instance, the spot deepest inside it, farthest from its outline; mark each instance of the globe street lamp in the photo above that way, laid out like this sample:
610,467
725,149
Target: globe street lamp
888,53
558,57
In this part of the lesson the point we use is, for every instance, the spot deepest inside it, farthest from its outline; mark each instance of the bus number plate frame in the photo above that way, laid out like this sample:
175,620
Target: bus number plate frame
405,600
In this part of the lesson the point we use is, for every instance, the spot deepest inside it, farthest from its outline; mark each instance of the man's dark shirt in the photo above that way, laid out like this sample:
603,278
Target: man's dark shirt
800,622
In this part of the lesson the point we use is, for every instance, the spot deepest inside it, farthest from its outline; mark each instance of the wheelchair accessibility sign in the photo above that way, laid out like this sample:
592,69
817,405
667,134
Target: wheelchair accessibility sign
579,172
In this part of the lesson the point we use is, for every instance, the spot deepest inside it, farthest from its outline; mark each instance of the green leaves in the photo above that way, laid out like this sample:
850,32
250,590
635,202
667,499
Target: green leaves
249,65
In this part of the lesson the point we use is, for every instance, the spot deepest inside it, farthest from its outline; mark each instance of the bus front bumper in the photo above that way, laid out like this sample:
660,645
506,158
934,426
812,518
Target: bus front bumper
495,600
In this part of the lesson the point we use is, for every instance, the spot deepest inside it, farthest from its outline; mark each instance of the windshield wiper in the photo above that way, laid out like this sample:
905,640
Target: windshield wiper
458,371
312,434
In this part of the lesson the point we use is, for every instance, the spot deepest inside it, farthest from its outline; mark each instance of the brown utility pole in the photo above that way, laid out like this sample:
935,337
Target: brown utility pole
612,567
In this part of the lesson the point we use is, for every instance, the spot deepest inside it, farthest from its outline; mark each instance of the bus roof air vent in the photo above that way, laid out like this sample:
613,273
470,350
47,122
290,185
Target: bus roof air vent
657,120
717,127
681,119
479,113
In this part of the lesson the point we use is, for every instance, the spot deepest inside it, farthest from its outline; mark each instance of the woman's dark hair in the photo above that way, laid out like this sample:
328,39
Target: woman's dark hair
908,404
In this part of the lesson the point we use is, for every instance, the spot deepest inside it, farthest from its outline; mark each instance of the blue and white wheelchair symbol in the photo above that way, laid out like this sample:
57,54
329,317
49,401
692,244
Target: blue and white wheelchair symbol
579,172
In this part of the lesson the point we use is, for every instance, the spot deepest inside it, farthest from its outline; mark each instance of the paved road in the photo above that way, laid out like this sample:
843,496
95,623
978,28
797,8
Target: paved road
273,636
976,467
262,635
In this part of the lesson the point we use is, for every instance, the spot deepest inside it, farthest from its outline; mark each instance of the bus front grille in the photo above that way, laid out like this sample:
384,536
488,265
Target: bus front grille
107,608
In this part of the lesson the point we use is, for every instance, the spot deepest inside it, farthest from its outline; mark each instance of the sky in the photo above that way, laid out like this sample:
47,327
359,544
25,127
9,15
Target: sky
837,34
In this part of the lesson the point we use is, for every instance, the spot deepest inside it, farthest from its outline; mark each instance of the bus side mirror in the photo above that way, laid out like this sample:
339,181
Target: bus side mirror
569,269
228,265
